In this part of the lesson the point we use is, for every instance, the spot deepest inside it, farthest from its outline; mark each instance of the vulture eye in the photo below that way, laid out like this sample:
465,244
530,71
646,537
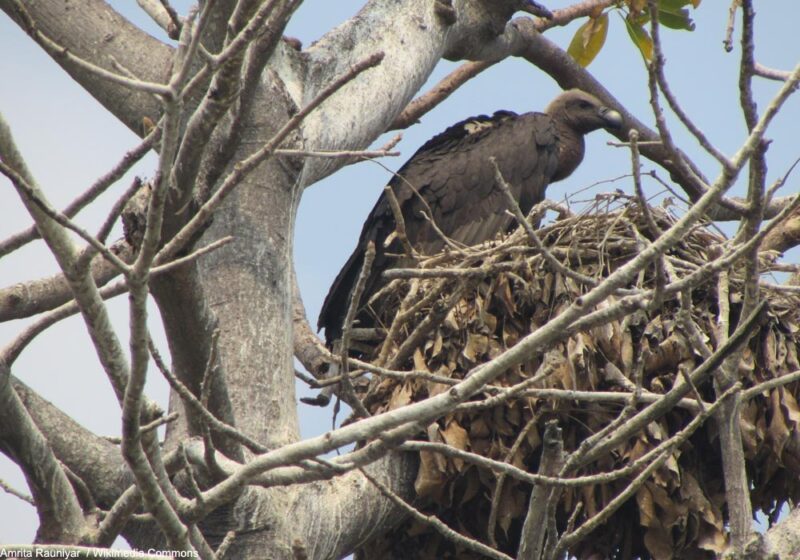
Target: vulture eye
585,105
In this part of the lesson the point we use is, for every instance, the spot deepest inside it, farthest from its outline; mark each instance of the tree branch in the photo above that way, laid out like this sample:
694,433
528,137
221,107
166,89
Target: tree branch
60,515
104,36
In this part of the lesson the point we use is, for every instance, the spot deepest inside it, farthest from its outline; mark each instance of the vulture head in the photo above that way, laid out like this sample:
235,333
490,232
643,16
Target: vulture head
575,113
582,112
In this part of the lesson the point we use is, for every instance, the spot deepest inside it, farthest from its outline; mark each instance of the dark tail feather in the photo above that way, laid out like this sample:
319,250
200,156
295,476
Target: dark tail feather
334,308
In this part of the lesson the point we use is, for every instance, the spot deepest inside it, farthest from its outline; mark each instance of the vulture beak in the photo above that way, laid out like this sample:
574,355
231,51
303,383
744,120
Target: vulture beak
612,118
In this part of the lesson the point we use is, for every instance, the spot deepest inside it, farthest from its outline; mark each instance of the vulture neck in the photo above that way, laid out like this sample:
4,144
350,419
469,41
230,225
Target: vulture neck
570,150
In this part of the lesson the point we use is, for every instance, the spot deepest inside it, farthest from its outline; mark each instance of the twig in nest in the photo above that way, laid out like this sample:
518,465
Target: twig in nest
435,523
447,241
498,486
430,322
600,517
661,275
399,222
517,211
352,310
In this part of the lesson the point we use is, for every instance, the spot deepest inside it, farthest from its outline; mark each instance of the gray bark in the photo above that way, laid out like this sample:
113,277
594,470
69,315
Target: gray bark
245,289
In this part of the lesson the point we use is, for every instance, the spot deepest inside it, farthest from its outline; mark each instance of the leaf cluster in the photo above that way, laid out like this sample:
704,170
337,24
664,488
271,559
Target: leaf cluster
591,36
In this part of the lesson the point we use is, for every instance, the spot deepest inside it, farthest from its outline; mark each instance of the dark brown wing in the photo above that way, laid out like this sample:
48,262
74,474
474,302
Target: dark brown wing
452,179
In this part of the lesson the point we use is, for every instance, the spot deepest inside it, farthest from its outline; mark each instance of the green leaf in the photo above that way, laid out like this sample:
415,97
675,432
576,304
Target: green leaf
674,5
640,38
677,18
588,40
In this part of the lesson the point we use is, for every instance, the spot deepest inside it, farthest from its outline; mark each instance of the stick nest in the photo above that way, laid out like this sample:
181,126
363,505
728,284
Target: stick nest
489,298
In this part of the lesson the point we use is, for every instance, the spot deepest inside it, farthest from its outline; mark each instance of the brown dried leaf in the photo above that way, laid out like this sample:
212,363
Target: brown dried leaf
430,481
401,396
477,345
778,429
647,507
456,436
419,361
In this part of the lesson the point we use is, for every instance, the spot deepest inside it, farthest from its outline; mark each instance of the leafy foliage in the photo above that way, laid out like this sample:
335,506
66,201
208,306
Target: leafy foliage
679,512
591,36
589,39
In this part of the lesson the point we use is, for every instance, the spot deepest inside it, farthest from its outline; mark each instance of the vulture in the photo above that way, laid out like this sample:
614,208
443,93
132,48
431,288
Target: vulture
451,180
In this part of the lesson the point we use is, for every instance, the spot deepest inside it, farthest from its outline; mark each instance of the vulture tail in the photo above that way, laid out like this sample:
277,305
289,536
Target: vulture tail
334,308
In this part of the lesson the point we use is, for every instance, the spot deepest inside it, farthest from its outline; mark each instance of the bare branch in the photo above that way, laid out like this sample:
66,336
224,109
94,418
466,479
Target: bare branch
770,73
352,310
37,296
30,193
595,521
441,91
191,400
541,506
60,515
243,168
17,240
117,517
8,489
435,523
461,75
728,41
498,486
656,68
163,14
84,289
58,52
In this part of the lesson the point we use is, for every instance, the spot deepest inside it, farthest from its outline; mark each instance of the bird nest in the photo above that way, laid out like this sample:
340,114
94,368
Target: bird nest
464,308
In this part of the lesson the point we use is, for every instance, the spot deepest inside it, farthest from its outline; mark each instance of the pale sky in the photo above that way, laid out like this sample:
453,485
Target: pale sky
69,141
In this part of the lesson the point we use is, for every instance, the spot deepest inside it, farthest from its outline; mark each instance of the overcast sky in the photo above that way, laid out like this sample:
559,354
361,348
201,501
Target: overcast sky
69,140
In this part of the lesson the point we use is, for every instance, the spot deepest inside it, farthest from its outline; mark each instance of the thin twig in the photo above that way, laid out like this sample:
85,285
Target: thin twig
8,489
498,485
727,42
28,191
158,422
243,168
399,222
434,523
770,73
523,221
58,52
117,517
352,311
657,67
195,403
19,239
600,517
770,384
